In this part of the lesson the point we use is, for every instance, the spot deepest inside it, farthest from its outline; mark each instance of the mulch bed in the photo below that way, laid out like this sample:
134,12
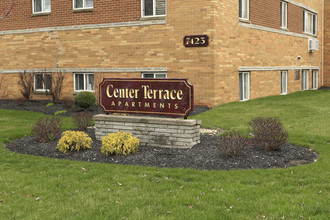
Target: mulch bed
204,156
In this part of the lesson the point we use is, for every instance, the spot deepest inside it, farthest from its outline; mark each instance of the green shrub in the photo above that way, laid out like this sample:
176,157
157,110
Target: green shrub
268,131
232,143
74,141
85,99
82,119
47,129
120,143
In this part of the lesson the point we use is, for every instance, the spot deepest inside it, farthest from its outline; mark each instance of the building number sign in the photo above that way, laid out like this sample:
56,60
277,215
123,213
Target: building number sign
196,41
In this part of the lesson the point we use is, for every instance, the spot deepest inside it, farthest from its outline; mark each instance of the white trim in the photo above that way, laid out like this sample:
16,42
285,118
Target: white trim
83,27
155,73
43,84
278,31
241,86
315,81
85,70
245,7
284,15
285,83
85,89
274,68
84,2
42,7
154,10
305,80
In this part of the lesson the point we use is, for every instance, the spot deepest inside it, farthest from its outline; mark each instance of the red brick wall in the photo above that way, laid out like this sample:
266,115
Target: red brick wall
268,14
265,13
62,14
295,18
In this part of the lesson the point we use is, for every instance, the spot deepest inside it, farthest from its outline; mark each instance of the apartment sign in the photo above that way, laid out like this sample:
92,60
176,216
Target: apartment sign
172,97
196,41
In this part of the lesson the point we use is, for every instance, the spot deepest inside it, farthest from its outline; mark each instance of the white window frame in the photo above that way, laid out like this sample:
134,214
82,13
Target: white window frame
85,83
154,10
305,80
284,15
245,5
315,79
43,83
84,5
242,83
43,10
284,82
155,74
310,28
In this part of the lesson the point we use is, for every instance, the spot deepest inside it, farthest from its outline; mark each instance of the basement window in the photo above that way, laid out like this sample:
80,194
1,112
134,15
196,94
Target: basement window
244,86
42,82
41,6
161,75
84,82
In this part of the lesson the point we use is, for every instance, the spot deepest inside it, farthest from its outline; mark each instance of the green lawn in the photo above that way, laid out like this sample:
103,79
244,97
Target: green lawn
39,188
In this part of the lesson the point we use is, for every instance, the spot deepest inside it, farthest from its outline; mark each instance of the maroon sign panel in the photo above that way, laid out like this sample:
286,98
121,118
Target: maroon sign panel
173,97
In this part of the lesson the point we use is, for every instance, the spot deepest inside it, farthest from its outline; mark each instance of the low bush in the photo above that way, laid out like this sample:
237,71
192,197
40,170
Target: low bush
82,119
268,131
74,141
68,103
120,143
47,129
85,100
232,143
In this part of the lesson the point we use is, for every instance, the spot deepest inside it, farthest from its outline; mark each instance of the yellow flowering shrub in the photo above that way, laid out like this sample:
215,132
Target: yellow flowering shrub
120,143
74,141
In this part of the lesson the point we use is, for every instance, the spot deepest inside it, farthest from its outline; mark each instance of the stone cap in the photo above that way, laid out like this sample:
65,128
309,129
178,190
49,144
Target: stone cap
145,119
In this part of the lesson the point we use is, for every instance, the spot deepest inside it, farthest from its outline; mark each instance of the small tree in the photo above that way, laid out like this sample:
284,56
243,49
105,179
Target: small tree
56,87
26,84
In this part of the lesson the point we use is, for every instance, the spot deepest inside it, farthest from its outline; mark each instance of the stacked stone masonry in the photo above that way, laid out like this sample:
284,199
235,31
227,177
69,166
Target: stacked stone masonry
151,131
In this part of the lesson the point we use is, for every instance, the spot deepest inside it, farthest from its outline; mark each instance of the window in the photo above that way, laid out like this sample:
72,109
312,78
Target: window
40,6
244,9
284,82
315,77
244,86
81,4
304,80
284,14
154,75
84,82
42,82
310,23
151,8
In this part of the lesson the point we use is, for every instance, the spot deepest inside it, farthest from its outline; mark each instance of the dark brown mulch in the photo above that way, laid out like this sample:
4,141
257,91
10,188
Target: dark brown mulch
204,156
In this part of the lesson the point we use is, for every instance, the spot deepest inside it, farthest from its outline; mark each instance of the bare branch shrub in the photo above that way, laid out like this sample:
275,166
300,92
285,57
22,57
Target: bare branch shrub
83,119
269,132
47,129
26,84
232,143
55,89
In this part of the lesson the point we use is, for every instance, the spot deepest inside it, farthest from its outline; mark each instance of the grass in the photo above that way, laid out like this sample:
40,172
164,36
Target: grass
41,188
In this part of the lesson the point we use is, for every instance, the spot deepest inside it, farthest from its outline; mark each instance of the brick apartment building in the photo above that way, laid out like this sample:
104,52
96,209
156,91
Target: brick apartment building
256,48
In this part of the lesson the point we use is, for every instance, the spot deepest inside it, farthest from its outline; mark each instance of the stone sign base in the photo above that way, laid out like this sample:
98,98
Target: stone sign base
152,131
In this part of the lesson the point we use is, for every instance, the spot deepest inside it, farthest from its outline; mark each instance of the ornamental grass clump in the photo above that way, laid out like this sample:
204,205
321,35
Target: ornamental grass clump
74,141
120,143
268,132
232,143
47,129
